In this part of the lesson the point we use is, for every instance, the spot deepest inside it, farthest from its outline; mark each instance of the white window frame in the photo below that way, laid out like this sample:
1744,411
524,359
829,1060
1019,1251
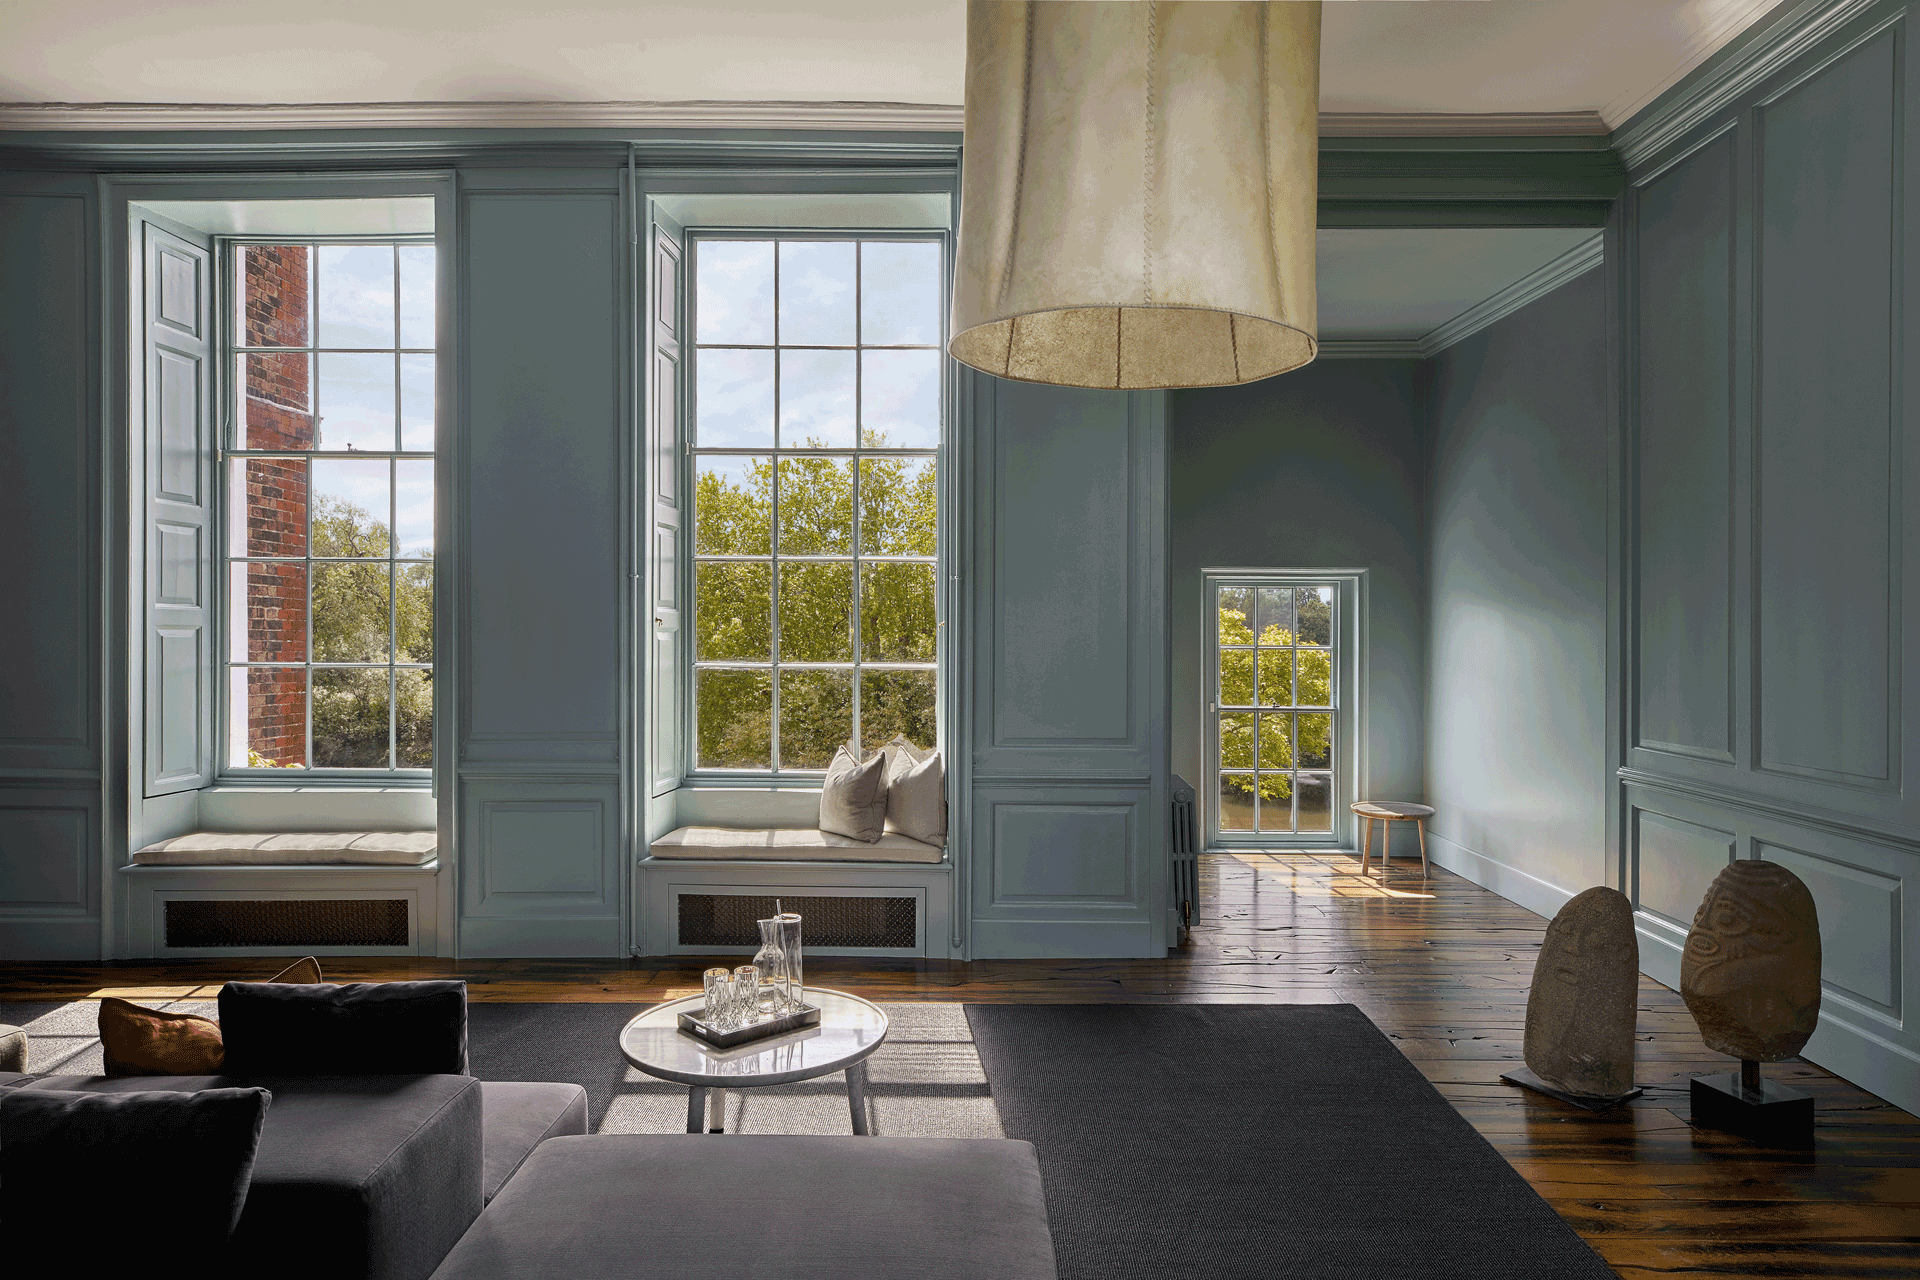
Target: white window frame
231,390
694,773
1347,760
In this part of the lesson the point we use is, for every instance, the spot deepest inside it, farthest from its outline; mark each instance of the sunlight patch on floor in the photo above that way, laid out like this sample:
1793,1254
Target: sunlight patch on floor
1336,875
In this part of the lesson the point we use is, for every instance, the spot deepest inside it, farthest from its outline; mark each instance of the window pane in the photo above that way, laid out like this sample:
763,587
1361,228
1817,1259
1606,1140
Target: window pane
897,702
1236,802
413,507
816,506
735,291
352,503
736,719
351,612
816,612
899,507
355,284
269,709
1316,615
267,506
816,399
1316,802
1276,677
1236,742
733,612
900,399
816,716
1236,677
1276,802
350,722
1276,741
267,612
900,292
816,293
274,296
416,403
413,612
896,613
1275,623
1316,678
276,402
416,295
1236,606
355,401
1316,741
413,718
733,399
733,506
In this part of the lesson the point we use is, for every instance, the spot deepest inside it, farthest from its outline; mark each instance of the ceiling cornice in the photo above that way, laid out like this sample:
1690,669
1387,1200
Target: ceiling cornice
1448,124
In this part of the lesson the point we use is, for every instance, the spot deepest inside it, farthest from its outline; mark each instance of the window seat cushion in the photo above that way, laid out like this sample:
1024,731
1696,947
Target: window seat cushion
799,844
293,849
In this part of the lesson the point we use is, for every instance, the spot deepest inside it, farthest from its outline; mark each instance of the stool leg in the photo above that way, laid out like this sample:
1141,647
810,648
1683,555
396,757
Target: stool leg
1422,823
1386,848
696,1109
716,1110
857,1096
1366,842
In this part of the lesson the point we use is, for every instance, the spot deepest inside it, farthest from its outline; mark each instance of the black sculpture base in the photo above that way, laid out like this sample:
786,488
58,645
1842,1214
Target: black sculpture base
1771,1113
1526,1079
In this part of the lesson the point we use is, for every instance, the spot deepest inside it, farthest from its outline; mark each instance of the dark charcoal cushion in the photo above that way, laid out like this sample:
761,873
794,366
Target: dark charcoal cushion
671,1206
515,1118
356,1176
389,1028
156,1164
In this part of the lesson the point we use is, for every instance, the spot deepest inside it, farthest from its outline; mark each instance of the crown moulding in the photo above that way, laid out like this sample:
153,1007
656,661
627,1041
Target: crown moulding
899,116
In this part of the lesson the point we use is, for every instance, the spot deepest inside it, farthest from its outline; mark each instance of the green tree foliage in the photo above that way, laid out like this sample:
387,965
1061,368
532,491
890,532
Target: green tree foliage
733,605
351,624
1274,673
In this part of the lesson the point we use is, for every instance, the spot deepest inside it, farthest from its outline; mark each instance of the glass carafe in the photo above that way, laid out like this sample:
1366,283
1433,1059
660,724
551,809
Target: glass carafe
771,960
789,923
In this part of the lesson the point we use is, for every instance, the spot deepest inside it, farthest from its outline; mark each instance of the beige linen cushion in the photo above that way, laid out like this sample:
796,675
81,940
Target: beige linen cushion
853,800
917,797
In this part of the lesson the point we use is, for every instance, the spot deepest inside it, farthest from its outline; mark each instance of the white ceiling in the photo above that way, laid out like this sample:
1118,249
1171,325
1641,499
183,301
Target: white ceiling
1399,285
1609,57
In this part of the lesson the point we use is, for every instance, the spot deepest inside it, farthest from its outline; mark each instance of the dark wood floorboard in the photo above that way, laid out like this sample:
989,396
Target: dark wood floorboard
1443,968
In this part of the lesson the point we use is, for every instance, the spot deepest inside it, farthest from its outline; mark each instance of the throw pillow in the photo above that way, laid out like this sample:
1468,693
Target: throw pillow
917,798
112,1177
360,1028
853,799
138,1041
899,745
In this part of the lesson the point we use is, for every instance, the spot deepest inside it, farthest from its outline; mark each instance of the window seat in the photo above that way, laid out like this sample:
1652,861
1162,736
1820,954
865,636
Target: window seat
789,844
409,849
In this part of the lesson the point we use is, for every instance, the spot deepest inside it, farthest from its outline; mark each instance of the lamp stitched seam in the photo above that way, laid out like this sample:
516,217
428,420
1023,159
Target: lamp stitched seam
1151,156
1019,172
1266,139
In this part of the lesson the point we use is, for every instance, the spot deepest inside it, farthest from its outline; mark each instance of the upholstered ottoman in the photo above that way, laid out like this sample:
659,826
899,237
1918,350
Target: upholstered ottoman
670,1206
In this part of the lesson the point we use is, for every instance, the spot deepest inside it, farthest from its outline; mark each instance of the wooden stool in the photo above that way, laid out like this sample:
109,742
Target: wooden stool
1386,813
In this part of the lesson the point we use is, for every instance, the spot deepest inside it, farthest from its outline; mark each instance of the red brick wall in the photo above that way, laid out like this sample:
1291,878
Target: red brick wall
276,415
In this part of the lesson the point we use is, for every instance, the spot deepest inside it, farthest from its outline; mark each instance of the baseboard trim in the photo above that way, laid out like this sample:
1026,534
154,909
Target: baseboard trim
1538,896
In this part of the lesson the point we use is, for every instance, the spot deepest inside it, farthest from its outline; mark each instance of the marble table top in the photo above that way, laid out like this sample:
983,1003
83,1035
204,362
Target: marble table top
849,1030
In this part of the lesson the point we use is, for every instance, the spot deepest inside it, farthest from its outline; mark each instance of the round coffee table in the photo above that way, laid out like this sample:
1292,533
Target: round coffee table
850,1029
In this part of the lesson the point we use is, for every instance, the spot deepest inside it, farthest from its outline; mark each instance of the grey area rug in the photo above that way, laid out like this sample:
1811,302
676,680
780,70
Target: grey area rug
1284,1142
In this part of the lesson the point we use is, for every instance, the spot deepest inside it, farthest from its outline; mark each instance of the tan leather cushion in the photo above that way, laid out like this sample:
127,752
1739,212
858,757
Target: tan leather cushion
139,1041
293,849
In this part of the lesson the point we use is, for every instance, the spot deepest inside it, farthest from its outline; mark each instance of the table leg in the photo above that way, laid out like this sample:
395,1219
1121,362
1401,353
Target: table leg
696,1109
716,1110
857,1096
1422,824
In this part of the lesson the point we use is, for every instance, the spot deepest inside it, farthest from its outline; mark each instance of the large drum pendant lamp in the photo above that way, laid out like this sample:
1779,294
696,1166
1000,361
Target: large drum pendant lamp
1139,192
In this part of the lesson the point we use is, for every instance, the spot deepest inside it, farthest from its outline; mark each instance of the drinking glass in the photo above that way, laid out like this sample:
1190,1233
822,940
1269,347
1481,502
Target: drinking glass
790,948
719,996
746,994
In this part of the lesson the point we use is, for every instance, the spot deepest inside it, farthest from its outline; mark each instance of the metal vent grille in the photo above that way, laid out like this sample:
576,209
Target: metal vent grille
327,922
727,920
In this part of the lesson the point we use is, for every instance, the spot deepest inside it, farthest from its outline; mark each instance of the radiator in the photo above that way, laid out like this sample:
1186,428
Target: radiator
303,922
1186,852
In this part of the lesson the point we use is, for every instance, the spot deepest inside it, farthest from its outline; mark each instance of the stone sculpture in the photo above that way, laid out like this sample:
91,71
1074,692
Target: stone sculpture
1580,1010
1751,971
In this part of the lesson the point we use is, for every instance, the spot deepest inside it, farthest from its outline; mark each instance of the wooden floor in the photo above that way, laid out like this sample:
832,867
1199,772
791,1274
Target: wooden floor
1442,967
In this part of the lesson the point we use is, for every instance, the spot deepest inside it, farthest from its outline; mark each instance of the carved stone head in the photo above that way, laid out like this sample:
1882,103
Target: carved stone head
1580,1012
1751,972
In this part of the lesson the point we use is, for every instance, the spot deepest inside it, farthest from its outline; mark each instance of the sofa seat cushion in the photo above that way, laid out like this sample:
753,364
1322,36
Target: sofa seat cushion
789,845
515,1118
669,1206
293,849
355,1176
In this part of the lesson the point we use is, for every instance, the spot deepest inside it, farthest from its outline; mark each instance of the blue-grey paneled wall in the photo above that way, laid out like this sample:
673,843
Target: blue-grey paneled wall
540,527
1065,835
1318,469
1516,644
1770,512
51,751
